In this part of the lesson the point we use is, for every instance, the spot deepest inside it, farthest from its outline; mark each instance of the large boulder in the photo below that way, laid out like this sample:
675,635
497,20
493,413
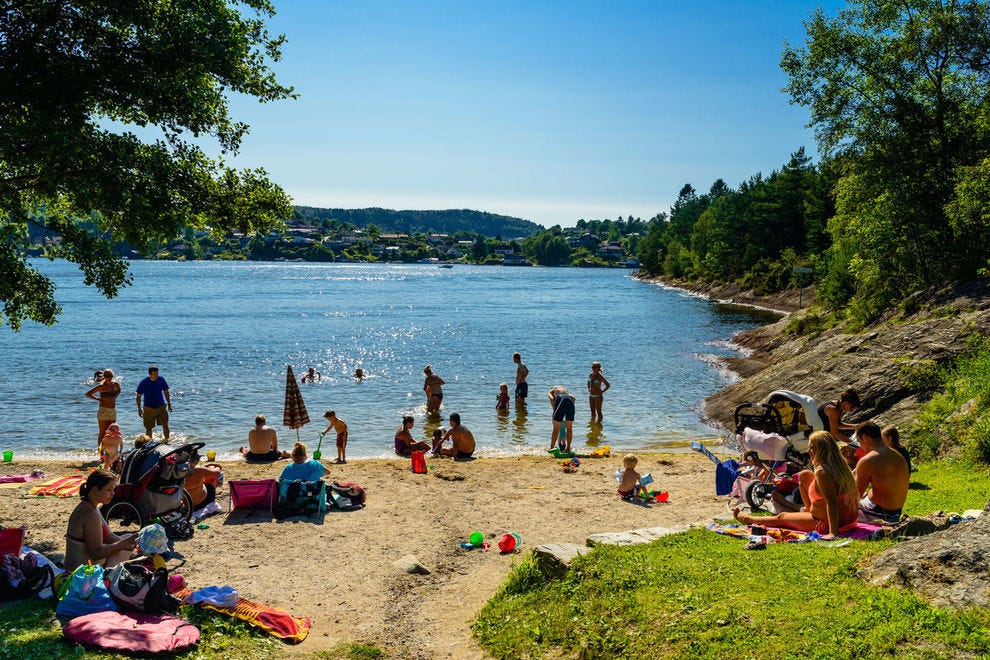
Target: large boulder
951,567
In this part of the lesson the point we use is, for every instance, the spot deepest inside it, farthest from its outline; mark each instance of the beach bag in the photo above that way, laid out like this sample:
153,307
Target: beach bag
21,577
134,634
726,473
418,462
140,588
84,592
346,496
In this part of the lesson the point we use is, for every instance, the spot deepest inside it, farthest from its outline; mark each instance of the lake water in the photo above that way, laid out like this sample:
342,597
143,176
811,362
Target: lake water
222,334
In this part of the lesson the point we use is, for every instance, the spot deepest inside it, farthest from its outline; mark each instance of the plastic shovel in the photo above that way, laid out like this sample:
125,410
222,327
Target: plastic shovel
317,454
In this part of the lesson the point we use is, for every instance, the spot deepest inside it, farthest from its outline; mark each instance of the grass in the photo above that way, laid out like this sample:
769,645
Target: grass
29,630
700,595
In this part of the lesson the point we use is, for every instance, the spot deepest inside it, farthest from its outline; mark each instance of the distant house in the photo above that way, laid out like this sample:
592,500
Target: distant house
437,239
514,260
612,252
504,251
585,240
392,237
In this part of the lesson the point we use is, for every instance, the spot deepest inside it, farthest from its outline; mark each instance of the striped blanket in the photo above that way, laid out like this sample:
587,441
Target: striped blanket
272,620
60,487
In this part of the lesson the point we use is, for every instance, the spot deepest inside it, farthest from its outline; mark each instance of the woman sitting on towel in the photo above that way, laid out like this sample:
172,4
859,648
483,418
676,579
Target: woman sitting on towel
829,492
88,538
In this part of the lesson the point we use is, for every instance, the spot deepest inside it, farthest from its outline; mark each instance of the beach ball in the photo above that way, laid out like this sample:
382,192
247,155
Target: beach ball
507,543
477,538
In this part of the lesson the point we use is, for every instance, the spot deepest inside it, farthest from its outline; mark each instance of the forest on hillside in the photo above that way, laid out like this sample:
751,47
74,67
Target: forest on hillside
448,221
899,97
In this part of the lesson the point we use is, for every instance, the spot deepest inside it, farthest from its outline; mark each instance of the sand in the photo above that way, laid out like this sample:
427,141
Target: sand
339,571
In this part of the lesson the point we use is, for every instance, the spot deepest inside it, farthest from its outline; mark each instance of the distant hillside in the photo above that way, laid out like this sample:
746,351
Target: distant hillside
410,222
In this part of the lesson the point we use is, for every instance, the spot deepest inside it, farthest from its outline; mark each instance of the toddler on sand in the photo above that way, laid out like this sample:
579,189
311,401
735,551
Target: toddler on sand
629,486
111,445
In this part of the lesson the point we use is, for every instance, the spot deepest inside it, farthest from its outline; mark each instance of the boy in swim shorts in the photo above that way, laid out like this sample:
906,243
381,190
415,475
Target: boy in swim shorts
340,427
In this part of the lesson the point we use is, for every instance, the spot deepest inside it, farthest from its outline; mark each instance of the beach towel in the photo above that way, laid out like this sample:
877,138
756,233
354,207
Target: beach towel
276,622
21,478
131,633
858,532
59,487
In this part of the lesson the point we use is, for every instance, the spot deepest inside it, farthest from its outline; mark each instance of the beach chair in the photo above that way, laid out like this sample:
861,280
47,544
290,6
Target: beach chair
253,494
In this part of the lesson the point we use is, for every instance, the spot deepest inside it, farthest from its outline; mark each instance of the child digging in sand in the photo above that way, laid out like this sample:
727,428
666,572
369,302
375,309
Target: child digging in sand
629,486
340,427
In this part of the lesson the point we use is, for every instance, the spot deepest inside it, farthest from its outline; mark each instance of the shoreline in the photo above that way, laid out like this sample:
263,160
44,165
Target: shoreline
338,571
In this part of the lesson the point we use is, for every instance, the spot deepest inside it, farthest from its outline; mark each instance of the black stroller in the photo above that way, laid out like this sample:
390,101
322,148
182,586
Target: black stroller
152,485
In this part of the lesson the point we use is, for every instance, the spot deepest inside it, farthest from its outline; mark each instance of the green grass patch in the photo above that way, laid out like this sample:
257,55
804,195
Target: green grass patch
700,595
29,629
353,651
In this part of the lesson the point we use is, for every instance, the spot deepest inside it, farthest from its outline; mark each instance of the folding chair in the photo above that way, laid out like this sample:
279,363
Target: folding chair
251,494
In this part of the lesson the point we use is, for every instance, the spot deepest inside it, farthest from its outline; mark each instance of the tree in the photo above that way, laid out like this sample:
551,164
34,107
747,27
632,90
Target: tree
78,79
479,250
900,91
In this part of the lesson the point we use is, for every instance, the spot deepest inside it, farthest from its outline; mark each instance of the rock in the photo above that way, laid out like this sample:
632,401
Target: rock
411,565
951,568
633,537
556,558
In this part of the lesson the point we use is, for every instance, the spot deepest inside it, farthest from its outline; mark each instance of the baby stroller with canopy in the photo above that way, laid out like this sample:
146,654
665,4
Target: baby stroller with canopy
152,485
777,429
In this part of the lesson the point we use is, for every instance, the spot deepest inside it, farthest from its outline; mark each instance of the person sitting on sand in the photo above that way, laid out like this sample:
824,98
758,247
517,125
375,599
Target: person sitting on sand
629,486
829,491
141,440
263,443
404,443
302,468
311,376
831,414
201,482
882,477
111,446
88,537
462,440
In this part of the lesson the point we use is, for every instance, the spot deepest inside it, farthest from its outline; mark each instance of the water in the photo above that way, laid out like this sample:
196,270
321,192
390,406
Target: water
223,333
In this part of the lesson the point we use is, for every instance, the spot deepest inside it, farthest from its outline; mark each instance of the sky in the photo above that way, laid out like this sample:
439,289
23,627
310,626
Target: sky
550,111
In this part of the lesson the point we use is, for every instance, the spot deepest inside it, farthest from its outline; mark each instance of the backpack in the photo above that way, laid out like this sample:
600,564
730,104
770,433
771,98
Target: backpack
345,496
138,587
23,577
306,498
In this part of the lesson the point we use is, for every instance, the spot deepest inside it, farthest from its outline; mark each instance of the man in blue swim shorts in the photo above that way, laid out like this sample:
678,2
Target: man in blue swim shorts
563,411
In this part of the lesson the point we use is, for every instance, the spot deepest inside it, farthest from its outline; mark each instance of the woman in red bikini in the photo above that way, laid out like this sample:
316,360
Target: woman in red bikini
829,494
88,538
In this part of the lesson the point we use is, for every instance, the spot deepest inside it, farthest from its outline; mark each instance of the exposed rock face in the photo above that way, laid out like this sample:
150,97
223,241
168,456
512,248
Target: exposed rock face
870,361
952,567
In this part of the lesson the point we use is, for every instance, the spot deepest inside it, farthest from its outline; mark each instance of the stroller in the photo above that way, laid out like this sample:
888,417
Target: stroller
152,485
777,429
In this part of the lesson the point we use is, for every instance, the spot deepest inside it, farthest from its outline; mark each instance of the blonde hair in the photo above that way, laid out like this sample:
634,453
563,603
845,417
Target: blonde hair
108,371
141,440
828,457
503,387
629,460
596,365
298,450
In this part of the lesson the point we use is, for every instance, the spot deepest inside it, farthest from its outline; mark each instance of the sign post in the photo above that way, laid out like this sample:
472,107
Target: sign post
801,272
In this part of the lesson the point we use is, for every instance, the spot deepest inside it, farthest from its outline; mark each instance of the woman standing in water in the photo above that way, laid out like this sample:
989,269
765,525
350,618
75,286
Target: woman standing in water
432,386
106,392
597,386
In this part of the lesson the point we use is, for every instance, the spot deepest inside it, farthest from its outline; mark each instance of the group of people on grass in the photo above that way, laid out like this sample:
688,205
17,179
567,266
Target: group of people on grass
869,484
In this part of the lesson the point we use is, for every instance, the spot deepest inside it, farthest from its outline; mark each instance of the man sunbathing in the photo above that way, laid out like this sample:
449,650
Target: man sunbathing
884,473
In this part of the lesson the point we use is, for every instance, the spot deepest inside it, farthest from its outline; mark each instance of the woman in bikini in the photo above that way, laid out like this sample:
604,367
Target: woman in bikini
88,538
404,443
106,392
597,386
830,493
432,387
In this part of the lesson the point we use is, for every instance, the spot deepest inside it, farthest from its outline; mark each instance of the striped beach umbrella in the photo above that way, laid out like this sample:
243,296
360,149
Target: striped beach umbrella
294,415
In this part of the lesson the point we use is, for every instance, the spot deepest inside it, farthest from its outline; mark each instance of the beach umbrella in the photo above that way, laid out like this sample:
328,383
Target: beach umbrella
294,415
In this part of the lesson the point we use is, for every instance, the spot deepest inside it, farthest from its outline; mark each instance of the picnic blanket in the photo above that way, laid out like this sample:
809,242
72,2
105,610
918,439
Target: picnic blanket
859,532
21,478
272,620
59,487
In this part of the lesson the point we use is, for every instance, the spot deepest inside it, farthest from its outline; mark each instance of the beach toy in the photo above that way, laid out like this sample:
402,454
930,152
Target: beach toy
660,497
467,546
509,542
476,538
601,452
8,456
317,454
211,455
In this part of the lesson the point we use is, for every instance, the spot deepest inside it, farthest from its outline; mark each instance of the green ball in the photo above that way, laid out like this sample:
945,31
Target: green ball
477,538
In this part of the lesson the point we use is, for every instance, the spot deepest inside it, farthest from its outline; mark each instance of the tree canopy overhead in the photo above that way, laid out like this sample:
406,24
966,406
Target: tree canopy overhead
78,78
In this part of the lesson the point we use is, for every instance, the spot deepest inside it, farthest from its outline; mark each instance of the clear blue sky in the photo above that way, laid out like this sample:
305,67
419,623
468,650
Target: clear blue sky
551,111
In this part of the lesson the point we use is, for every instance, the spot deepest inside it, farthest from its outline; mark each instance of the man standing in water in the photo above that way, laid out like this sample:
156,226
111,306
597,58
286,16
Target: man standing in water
156,398
522,387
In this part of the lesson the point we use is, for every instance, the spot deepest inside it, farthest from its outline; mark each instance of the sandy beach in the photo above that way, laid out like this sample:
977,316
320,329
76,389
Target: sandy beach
339,571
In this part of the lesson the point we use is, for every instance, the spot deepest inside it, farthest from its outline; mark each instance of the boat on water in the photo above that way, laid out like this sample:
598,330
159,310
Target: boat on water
445,266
